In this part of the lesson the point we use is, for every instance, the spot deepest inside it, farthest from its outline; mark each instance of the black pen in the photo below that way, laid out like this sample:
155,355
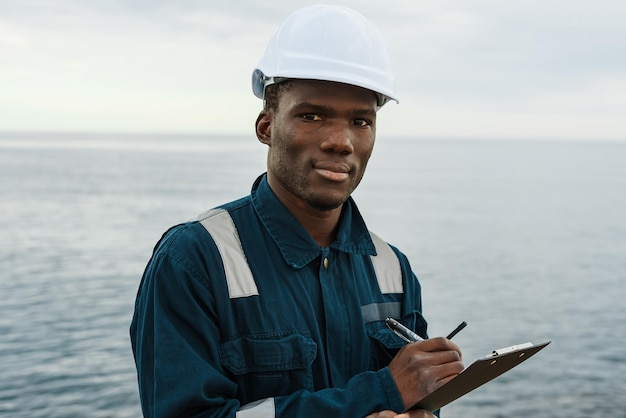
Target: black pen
456,330
411,337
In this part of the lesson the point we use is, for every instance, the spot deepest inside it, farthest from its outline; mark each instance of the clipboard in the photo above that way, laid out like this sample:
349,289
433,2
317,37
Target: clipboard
478,373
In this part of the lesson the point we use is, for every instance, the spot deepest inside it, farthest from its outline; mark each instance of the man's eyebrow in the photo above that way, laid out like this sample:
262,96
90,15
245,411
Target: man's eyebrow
360,111
312,107
363,111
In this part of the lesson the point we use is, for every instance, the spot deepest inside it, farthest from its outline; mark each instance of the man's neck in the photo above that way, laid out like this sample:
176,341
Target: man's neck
321,225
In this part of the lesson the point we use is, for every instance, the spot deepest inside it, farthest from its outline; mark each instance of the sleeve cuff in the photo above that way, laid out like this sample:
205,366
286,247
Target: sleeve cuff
391,391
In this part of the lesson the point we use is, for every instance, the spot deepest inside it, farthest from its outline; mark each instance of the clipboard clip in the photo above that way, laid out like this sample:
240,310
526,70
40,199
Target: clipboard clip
510,349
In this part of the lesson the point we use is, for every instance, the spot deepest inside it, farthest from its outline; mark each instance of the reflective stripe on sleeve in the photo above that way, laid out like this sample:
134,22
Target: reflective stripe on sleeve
386,266
263,408
239,278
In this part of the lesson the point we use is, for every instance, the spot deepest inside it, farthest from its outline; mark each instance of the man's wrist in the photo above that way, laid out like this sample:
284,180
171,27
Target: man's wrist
390,389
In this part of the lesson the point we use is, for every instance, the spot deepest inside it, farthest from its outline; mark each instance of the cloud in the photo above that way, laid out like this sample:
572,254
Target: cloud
466,68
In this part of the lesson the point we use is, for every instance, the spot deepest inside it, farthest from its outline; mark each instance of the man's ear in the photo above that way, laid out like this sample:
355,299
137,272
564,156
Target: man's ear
263,127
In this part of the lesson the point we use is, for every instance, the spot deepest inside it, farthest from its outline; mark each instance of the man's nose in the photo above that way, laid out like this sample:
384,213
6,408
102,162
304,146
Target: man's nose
338,139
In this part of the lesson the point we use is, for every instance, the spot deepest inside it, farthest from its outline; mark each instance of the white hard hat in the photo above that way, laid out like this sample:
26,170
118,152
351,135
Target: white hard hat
330,43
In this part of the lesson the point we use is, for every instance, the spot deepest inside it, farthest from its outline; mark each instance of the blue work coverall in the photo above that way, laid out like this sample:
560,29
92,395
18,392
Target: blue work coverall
241,313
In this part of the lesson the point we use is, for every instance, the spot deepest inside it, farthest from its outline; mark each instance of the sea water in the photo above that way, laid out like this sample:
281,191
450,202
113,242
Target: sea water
524,240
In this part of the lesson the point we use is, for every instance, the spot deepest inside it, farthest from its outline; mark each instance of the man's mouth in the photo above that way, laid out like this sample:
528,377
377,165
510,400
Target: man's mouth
332,171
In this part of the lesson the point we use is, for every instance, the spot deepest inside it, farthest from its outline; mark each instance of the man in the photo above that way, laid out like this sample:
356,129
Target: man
274,305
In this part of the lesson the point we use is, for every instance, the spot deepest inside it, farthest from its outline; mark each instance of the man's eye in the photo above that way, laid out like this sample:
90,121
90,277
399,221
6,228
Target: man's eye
361,122
311,117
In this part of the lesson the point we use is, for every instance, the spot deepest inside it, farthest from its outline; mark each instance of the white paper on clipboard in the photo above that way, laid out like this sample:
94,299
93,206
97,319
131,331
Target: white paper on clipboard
478,373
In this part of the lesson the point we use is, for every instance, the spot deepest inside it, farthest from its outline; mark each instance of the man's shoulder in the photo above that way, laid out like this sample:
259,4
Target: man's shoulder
195,229
385,246
381,241
180,236
229,207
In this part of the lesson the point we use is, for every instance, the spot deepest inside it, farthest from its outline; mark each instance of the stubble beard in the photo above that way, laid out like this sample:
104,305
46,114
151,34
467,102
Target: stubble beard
296,183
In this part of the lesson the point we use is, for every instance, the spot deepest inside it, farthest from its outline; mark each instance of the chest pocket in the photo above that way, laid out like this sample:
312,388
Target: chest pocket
269,365
385,343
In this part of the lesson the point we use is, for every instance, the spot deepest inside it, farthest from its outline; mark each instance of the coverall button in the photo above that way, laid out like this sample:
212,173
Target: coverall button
325,263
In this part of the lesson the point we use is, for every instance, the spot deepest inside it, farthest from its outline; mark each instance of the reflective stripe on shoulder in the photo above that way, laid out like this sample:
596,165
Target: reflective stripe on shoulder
239,278
387,267
263,408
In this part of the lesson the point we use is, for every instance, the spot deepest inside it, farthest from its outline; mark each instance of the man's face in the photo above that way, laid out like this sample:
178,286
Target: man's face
320,138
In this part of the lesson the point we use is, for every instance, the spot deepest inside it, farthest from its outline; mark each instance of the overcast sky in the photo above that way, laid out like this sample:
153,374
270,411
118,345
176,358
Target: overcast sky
466,68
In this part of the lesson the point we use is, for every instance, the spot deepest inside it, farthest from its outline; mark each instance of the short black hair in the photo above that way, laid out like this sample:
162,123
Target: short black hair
272,94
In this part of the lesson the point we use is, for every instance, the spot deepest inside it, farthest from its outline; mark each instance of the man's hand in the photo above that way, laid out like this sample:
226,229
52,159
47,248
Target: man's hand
410,414
421,367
